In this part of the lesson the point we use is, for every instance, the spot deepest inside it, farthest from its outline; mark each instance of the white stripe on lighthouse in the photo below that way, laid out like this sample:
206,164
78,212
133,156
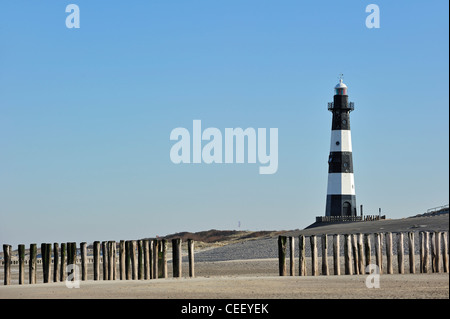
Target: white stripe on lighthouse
341,141
341,184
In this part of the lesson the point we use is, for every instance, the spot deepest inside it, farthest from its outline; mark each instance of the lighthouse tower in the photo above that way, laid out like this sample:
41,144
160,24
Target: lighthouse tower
341,199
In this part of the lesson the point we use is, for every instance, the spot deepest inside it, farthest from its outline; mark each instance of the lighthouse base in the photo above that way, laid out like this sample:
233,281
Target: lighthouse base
341,205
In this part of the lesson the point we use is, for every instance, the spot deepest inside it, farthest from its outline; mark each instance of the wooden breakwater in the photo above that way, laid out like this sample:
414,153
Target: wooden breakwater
362,250
110,260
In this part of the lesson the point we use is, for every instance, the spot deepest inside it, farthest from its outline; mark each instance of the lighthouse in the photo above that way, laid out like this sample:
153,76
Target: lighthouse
341,199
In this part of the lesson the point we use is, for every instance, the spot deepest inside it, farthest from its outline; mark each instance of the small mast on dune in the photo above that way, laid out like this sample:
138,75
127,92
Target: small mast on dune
341,198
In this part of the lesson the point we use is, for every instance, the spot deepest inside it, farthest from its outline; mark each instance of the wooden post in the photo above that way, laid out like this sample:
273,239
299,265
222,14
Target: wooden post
302,256
282,255
367,250
291,256
421,251
191,257
445,251
325,255
44,262
96,260
437,238
400,254
390,269
56,266
336,255
361,254
433,251
314,261
122,259
176,257
73,251
110,260
114,261
105,259
412,259
146,248
32,264
47,255
426,252
348,254
378,252
72,256
7,264
21,250
355,253
62,270
156,258
140,258
163,243
83,252
133,260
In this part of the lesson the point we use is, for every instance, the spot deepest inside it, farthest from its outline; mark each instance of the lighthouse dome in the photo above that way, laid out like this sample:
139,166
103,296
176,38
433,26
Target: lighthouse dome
340,88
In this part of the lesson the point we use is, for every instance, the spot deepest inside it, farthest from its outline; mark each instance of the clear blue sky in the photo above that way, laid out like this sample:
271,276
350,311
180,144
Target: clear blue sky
86,114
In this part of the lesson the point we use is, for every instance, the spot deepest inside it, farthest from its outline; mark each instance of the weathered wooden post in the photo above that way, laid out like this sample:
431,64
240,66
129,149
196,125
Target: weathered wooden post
56,266
105,259
291,256
378,252
163,243
96,260
191,257
433,251
133,260
156,258
73,251
314,262
389,266
302,256
111,264
47,258
348,254
146,248
421,251
21,250
114,260
140,258
412,259
62,269
437,238
44,263
355,253
426,252
367,250
83,252
282,255
122,259
445,251
361,254
400,254
32,264
176,257
325,255
336,255
7,264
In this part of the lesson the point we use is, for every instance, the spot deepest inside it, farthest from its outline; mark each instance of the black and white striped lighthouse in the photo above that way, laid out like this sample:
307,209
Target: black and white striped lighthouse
341,199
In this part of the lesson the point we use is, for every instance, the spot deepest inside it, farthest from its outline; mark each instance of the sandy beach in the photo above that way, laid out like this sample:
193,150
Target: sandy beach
243,279
249,269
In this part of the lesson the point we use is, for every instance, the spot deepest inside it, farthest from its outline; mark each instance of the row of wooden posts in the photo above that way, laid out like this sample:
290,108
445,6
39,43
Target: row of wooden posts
138,259
358,253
